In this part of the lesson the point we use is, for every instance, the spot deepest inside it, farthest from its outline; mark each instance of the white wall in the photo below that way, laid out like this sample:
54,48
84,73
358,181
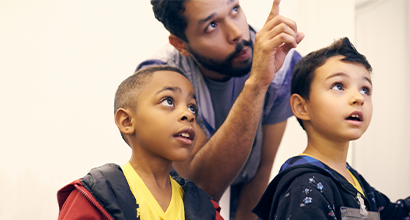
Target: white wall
322,21
60,64
382,154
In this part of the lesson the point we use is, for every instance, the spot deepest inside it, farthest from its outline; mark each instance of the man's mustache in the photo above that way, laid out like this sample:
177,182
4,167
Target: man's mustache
239,47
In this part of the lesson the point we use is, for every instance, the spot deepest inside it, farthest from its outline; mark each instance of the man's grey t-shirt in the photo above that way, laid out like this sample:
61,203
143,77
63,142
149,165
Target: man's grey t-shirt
215,100
224,94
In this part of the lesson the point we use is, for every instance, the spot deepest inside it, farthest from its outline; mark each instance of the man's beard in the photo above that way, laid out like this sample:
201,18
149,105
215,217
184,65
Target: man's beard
225,67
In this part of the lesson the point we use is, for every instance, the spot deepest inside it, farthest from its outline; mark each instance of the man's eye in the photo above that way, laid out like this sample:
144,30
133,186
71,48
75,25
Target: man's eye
168,102
337,86
211,26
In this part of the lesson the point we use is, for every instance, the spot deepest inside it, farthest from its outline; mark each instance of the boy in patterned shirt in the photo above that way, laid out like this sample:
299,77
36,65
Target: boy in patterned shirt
331,98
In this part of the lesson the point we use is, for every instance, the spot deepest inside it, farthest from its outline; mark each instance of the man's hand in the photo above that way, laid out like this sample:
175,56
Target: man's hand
272,43
216,162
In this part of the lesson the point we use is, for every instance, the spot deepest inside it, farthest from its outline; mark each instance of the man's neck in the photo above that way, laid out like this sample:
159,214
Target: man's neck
212,75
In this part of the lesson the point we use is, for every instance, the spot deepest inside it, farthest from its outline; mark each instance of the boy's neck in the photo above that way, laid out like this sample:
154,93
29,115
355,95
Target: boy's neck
155,176
333,154
152,171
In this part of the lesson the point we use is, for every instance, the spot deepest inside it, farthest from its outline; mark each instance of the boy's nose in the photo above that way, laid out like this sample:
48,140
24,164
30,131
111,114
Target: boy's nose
357,98
188,116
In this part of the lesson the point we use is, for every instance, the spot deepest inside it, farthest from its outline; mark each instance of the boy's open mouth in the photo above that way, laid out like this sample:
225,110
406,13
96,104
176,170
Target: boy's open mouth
355,117
186,133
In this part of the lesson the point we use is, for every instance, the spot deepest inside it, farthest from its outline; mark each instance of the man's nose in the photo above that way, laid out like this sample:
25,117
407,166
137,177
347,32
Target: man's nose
234,33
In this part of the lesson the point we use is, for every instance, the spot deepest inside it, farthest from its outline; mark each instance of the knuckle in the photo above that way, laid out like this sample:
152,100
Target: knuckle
258,35
282,27
282,36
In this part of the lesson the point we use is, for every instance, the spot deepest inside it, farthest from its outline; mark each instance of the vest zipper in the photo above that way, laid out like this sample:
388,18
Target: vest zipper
360,200
96,204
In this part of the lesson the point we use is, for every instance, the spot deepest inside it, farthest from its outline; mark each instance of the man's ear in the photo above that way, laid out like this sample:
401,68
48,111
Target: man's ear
180,45
123,120
299,109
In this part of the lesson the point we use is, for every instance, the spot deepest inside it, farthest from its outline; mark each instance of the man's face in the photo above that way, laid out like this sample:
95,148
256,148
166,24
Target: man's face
218,35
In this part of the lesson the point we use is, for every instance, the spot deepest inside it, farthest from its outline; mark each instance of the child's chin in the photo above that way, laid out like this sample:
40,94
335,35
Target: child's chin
180,159
355,137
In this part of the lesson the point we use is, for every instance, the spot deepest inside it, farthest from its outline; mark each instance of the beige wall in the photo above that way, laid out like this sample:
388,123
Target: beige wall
323,22
382,154
61,61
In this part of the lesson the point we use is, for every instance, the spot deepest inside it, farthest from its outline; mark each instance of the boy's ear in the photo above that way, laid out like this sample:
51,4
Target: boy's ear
179,44
299,109
123,120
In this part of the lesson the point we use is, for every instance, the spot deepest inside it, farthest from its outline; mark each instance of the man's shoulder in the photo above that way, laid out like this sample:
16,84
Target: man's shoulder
167,54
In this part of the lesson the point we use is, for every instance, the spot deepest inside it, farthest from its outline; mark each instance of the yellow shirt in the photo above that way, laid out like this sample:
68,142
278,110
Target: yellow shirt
355,183
148,207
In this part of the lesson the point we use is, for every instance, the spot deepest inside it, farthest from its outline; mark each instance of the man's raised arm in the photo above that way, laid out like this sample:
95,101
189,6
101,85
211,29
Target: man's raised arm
216,162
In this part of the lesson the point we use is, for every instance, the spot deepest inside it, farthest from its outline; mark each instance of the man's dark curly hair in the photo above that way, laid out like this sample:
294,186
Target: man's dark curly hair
304,70
169,13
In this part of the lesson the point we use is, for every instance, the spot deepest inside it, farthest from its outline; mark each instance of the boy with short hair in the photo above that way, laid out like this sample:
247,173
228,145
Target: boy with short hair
155,111
331,98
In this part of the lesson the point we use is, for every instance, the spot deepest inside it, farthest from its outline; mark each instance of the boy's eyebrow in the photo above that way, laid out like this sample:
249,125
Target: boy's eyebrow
344,74
336,74
368,79
175,89
193,96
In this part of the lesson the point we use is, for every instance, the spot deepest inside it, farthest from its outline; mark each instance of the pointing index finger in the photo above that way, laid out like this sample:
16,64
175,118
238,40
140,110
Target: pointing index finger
274,11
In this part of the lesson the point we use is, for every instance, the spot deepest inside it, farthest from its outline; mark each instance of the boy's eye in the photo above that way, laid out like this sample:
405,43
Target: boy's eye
337,86
235,10
168,102
365,91
193,109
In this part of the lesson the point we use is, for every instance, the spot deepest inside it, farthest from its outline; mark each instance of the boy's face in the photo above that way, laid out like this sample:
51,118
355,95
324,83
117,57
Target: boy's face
340,104
164,118
214,30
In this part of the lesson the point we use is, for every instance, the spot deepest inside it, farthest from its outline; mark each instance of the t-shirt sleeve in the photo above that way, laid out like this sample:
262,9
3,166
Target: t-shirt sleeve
149,63
277,107
279,112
